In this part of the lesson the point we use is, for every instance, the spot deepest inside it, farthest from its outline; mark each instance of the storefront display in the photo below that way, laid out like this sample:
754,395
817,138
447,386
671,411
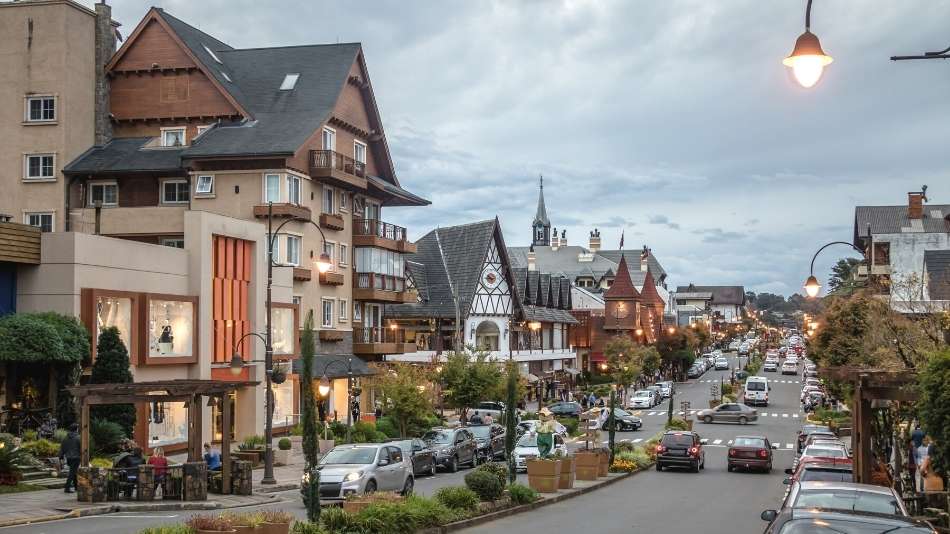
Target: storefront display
285,413
171,326
168,423
284,330
117,312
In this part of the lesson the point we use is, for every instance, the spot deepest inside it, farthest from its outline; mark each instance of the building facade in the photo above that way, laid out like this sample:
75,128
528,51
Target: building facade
714,305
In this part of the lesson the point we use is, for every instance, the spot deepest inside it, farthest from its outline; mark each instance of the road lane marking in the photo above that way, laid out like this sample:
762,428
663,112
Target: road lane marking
788,445
764,414
638,440
784,415
729,442
717,441
774,415
679,413
795,415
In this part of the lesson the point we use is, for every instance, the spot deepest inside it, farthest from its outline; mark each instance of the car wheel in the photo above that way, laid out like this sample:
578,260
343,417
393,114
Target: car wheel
453,465
742,420
434,469
659,466
707,419
703,465
768,468
370,487
407,487
695,467
729,468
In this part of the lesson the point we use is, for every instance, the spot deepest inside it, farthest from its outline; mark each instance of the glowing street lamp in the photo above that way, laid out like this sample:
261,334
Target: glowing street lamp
324,386
807,60
812,287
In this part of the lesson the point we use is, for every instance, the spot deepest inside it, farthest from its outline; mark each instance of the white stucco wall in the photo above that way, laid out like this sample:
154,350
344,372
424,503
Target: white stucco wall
907,251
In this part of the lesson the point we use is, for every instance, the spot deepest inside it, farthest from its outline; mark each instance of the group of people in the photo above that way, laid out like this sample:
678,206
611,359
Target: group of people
921,450
479,419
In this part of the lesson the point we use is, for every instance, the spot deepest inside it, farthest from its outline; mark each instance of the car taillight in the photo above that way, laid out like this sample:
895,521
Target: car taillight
763,453
732,452
660,448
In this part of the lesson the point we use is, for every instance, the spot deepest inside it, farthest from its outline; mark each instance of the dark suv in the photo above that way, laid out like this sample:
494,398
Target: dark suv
452,446
490,441
680,449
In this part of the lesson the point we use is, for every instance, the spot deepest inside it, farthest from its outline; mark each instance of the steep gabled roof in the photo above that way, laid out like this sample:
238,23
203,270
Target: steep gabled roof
126,155
652,263
720,294
649,294
622,287
894,220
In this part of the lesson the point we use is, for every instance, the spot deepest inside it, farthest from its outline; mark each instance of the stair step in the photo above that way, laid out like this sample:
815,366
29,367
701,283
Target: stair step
50,483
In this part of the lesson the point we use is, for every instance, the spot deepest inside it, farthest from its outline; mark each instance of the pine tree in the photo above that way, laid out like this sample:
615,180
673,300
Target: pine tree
510,423
112,366
309,490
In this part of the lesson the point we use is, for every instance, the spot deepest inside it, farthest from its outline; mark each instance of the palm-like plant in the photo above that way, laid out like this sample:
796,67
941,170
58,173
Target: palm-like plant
10,461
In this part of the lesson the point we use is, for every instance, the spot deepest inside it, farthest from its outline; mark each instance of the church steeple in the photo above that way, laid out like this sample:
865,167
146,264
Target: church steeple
541,226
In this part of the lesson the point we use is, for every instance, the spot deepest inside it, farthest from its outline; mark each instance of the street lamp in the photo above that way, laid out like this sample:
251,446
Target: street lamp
807,60
324,388
812,287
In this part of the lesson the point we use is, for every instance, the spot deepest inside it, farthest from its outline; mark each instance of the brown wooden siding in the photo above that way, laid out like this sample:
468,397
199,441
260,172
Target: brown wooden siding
166,95
231,278
19,243
153,45
135,191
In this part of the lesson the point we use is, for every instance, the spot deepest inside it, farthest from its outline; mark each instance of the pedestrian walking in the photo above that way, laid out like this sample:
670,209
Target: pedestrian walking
70,451
487,419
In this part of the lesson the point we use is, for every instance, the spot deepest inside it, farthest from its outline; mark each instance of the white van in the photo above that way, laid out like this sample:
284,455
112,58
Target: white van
756,391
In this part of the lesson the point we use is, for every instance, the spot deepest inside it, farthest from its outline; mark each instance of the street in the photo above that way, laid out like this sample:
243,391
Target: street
717,501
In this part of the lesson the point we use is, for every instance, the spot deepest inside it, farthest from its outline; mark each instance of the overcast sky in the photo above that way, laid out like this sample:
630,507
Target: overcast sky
673,121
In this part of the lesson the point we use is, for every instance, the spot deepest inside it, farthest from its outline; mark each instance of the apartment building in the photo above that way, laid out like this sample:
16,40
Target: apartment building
53,90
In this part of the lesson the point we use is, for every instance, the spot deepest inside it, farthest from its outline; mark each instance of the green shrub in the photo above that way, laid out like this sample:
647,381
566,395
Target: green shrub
570,423
529,416
498,469
386,425
365,432
458,498
485,484
10,461
410,515
167,529
105,437
41,448
638,456
727,388
284,444
676,424
101,462
252,443
30,435
521,494
59,435
334,519
306,527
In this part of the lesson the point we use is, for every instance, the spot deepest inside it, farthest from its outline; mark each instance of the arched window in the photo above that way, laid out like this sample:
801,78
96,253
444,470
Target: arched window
486,336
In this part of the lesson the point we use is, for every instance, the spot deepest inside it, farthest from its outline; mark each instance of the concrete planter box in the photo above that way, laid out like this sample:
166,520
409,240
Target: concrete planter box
325,445
281,457
566,480
544,475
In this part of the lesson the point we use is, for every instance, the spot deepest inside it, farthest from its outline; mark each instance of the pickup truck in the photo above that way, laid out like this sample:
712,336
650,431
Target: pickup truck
494,408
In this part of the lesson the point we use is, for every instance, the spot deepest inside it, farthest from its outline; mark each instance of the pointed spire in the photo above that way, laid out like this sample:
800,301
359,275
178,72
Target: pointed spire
542,215
623,287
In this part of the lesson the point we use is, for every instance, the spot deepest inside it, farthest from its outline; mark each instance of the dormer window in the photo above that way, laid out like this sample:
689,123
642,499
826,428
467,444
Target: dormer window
173,137
212,54
290,81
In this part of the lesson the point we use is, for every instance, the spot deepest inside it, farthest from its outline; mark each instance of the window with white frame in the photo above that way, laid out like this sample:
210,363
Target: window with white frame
204,185
329,249
343,202
272,188
106,193
327,316
202,129
343,254
343,308
293,189
292,256
329,139
41,109
359,151
174,242
175,191
43,221
173,136
40,167
328,197
357,311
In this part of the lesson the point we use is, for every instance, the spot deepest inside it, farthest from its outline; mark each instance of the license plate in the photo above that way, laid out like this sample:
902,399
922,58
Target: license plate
677,452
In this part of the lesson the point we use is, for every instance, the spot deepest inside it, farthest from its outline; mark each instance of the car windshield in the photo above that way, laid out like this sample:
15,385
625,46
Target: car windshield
528,440
755,386
489,405
846,526
642,393
827,475
749,442
825,452
481,431
677,440
438,436
620,413
850,500
355,455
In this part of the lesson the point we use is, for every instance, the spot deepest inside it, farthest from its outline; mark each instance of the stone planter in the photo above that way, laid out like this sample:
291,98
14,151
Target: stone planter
245,529
274,528
91,484
586,465
544,475
195,487
566,480
325,445
252,456
296,443
281,457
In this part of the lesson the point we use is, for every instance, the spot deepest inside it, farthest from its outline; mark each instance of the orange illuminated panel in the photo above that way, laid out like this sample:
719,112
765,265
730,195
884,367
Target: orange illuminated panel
230,287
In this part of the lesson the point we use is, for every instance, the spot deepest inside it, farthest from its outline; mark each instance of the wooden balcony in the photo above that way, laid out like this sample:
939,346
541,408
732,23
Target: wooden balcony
331,221
377,341
382,288
379,234
331,335
331,279
283,210
337,169
302,274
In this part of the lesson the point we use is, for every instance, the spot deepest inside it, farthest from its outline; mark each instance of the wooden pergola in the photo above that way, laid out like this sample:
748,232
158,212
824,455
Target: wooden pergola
187,391
870,385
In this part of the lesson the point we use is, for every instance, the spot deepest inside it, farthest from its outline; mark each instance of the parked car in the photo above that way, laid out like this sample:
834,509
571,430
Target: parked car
806,430
680,449
846,497
797,521
421,455
750,452
453,447
756,391
364,468
531,425
624,421
825,453
495,409
642,398
819,471
569,409
730,412
694,372
527,448
489,441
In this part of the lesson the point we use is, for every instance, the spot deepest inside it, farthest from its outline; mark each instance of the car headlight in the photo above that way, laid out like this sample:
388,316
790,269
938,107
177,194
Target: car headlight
350,477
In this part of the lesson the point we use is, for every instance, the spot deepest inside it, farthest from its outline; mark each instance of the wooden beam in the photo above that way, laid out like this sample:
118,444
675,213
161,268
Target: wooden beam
891,393
84,434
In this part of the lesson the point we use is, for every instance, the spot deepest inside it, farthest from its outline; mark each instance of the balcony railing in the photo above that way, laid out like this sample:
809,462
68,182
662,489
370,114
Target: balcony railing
329,159
381,282
379,334
380,229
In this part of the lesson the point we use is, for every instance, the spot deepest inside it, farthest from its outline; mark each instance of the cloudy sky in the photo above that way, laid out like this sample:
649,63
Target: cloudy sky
674,122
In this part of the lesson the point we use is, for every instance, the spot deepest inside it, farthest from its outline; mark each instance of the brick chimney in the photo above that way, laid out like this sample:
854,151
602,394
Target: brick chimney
644,255
915,205
594,240
532,259
555,240
105,47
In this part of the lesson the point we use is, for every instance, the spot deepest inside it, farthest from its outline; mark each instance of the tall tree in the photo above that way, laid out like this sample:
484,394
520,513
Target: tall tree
469,378
842,277
935,407
510,422
112,366
399,388
310,488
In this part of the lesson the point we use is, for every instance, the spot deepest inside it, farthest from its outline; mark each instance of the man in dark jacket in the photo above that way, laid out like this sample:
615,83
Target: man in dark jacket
70,452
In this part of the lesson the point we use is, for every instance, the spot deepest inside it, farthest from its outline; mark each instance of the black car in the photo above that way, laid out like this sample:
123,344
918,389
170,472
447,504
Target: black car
570,409
490,440
805,431
816,520
453,447
623,421
680,449
423,456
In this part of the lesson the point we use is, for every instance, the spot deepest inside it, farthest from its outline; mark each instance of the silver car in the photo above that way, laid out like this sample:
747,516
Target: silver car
730,412
364,468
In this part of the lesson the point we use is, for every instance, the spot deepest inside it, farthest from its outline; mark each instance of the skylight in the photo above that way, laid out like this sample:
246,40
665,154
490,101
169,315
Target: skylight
289,82
212,54
226,77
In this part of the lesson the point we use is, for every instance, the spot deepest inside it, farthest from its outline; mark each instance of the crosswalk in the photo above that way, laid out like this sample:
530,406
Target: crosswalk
772,381
784,415
711,443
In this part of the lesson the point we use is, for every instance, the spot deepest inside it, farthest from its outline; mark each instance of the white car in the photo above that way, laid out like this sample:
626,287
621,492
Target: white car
770,365
642,399
531,425
364,468
722,363
789,368
527,448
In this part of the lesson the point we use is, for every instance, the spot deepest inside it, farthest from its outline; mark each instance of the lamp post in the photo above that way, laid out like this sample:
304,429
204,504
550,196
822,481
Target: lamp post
807,60
812,286
323,265
324,388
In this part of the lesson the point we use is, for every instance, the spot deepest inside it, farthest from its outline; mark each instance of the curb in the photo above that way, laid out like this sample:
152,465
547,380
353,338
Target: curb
468,523
277,488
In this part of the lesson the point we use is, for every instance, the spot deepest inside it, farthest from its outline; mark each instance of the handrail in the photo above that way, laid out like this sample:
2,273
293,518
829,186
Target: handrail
380,229
330,159
379,334
383,282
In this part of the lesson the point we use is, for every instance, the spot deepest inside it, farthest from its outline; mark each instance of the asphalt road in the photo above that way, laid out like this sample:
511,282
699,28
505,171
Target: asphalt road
711,501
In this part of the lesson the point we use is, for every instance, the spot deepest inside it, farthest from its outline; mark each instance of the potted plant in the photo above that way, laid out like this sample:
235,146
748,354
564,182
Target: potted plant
276,522
586,465
566,480
246,523
206,524
282,454
251,449
604,466
279,374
